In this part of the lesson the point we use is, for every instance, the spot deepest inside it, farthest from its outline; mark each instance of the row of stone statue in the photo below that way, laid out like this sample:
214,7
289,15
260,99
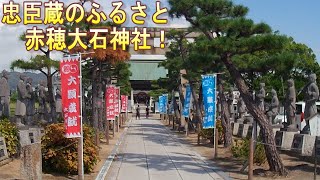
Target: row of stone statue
311,96
26,99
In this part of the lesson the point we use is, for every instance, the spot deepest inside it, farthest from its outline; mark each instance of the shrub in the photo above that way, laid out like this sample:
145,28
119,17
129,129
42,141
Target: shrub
208,133
59,154
10,133
240,150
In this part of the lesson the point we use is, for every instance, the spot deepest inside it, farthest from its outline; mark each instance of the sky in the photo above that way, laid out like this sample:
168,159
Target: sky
293,18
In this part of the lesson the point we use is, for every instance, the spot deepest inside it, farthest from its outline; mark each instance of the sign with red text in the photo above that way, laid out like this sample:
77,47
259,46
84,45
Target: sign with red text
110,97
70,91
116,101
124,103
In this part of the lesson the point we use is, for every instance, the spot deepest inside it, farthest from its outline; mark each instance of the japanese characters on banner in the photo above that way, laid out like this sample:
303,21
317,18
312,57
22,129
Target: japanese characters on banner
209,100
70,91
110,93
161,104
171,106
165,103
124,103
116,101
187,100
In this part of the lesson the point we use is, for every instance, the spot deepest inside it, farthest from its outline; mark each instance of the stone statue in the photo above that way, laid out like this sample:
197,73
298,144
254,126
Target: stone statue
4,94
42,100
230,103
21,100
260,96
241,108
58,99
274,107
311,95
290,106
30,102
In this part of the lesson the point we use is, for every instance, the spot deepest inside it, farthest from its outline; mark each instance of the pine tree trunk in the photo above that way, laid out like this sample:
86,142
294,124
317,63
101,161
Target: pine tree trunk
94,106
51,99
50,93
273,156
198,110
225,117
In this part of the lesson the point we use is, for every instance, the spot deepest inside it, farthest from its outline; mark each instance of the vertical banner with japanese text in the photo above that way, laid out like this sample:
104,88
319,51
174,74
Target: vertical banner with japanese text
124,103
116,101
70,92
165,103
161,98
187,100
171,106
110,91
209,100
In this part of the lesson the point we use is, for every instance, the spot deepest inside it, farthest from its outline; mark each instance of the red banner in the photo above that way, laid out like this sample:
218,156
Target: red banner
116,101
70,92
124,103
110,93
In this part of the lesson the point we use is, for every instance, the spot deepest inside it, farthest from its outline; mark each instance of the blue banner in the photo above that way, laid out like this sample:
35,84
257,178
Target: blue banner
165,103
161,98
187,99
209,100
171,106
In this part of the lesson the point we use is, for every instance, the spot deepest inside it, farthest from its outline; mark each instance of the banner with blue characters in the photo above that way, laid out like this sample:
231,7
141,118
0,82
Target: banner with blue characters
209,100
161,102
187,100
165,103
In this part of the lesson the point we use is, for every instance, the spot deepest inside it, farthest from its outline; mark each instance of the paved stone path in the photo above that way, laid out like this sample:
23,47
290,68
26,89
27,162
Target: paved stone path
150,152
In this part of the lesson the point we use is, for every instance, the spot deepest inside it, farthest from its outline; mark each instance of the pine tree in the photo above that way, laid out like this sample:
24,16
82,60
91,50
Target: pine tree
230,34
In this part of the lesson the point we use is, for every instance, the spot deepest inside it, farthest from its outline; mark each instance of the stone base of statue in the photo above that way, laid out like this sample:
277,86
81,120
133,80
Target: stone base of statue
235,128
313,127
284,139
303,144
240,120
248,119
290,128
243,130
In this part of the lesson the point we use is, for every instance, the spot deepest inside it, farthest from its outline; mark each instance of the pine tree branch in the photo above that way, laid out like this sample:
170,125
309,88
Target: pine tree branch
42,50
43,72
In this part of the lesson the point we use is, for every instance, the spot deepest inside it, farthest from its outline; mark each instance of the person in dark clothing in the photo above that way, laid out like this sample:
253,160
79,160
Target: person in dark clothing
147,112
138,112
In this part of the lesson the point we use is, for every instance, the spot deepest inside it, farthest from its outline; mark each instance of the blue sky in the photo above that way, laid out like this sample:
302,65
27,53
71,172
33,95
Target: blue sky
296,18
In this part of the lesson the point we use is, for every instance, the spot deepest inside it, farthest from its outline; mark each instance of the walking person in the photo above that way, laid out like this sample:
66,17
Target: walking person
147,112
138,112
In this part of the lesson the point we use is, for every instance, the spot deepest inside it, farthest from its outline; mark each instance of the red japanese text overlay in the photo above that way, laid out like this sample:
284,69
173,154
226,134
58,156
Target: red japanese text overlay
116,101
70,91
110,93
124,103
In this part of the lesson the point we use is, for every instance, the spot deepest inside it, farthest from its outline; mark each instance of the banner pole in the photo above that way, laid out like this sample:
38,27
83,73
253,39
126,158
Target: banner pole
80,142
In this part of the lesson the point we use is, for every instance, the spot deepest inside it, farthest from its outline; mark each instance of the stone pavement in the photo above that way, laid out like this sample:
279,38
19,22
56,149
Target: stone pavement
151,152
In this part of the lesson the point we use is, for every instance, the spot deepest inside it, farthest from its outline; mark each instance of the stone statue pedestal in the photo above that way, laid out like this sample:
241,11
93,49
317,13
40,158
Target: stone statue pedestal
243,130
315,125
235,128
303,144
284,139
248,119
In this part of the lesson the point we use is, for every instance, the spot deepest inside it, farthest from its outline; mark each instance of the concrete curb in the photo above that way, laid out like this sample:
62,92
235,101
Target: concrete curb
107,164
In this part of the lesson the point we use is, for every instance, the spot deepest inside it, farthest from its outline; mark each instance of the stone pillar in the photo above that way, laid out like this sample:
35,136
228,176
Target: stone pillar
31,162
